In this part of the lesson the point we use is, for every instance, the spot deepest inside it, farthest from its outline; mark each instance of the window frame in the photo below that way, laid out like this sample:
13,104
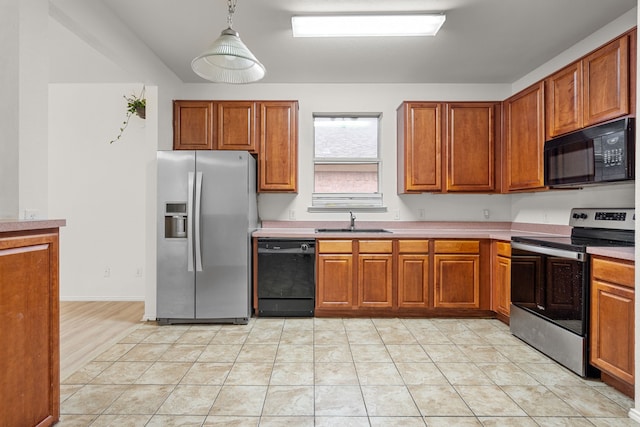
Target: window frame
371,202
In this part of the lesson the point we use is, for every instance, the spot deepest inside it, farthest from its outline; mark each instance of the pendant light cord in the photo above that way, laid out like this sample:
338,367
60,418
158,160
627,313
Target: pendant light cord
231,4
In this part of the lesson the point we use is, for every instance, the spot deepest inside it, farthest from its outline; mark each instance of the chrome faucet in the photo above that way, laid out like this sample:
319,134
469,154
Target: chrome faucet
352,226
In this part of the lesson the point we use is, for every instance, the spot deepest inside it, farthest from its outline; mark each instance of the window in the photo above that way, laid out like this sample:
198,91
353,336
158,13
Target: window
346,161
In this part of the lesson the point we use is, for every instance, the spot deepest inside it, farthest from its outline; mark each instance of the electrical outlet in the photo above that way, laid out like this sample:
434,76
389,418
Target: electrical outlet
107,272
30,214
396,214
139,272
292,214
421,213
486,213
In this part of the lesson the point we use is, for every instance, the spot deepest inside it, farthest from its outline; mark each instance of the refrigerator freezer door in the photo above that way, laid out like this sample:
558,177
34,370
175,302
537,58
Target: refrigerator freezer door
223,285
175,277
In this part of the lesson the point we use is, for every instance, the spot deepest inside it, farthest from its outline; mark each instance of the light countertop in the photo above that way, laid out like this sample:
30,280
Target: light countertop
8,225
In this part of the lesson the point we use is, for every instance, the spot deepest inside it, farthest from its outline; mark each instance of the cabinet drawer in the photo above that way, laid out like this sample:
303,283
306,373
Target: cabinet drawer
457,246
335,246
376,246
613,271
503,249
413,246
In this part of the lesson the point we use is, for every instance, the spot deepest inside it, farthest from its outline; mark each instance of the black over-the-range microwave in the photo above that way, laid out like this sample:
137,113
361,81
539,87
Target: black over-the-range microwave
594,155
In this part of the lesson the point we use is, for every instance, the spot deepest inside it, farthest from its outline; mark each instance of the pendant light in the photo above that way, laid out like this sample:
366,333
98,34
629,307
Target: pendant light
228,60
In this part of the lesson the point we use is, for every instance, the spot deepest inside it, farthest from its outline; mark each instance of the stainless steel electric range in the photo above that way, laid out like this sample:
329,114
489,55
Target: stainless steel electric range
550,283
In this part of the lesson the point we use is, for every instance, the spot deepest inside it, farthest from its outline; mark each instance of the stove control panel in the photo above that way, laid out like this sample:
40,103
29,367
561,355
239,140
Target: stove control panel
613,218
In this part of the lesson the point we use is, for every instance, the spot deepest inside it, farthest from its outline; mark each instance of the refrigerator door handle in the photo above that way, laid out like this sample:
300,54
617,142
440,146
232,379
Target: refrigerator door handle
198,221
190,222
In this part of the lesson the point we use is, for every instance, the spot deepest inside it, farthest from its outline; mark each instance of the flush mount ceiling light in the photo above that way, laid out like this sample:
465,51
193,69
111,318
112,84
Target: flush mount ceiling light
366,25
227,59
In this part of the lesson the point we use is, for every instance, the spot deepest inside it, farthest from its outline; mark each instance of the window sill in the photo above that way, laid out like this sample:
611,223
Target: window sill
347,208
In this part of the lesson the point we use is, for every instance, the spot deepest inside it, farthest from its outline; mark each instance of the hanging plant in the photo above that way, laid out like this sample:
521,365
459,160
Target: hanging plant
135,105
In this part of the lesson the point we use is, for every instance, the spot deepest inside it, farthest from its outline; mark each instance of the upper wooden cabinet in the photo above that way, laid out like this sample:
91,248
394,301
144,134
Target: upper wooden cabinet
606,82
522,160
266,128
235,126
278,146
419,147
193,125
464,161
589,91
471,140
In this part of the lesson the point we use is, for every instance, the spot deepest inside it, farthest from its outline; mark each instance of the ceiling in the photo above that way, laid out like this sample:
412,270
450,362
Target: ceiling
482,41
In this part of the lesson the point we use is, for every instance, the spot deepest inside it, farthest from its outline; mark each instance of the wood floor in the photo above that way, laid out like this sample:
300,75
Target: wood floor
88,327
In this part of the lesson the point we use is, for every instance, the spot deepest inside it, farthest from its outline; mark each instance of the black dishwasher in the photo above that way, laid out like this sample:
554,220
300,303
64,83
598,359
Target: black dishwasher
286,277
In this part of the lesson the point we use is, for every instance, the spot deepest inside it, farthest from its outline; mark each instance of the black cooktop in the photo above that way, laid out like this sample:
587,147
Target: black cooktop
577,244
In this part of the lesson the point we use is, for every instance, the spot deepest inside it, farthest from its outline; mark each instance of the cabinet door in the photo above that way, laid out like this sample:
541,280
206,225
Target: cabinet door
335,281
606,82
235,125
457,281
612,329
471,137
193,125
563,92
524,139
419,147
413,280
375,280
29,339
278,147
502,286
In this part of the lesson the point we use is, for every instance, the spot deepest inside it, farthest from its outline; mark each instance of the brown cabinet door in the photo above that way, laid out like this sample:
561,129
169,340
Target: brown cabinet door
457,281
375,280
606,82
419,147
523,163
471,138
193,125
612,330
413,280
502,286
278,146
563,104
29,341
613,318
236,125
335,281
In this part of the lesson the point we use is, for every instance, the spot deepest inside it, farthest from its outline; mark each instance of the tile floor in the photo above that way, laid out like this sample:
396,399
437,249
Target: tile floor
333,372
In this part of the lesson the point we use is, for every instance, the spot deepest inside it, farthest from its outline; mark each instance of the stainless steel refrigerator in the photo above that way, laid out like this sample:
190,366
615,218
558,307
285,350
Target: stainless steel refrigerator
207,209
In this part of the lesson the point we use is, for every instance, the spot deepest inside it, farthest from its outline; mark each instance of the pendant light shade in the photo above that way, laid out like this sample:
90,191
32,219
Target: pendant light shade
228,60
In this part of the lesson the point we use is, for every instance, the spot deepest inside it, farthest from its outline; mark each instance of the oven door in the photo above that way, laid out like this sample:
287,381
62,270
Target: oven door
552,284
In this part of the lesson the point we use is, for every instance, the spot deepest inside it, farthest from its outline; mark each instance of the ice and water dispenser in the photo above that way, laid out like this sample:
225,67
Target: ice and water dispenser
175,220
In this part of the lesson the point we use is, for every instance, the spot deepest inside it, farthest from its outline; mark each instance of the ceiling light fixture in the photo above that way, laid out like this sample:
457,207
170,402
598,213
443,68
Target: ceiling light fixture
227,59
366,25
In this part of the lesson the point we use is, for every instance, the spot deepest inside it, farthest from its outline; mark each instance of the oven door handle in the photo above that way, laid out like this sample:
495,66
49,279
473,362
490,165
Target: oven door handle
561,253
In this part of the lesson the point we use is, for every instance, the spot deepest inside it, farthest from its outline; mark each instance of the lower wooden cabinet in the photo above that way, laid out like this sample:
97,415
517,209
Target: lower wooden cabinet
457,274
334,284
413,274
612,321
375,273
29,338
395,277
501,289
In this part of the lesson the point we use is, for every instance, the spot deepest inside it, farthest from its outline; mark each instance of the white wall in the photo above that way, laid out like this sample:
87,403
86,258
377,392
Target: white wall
100,189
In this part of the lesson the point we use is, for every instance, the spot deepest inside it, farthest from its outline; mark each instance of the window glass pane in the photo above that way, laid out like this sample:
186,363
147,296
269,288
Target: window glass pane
346,178
346,137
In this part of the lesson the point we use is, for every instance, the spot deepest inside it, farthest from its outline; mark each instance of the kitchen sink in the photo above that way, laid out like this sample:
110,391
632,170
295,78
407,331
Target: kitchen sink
352,230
